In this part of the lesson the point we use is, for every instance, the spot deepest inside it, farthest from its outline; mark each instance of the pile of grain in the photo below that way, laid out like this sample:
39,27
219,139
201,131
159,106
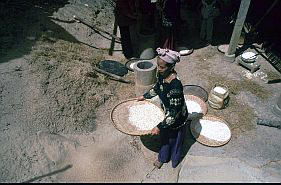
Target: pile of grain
145,116
214,130
220,90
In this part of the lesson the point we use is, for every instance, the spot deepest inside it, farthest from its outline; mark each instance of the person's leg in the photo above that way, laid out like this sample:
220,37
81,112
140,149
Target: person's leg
177,147
147,17
179,19
203,29
126,41
209,29
163,35
169,35
174,34
134,39
158,39
164,153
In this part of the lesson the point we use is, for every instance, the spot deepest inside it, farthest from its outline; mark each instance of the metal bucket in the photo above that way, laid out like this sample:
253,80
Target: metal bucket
145,76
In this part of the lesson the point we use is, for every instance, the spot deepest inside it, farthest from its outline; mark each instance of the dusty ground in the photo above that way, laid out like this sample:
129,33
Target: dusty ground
54,111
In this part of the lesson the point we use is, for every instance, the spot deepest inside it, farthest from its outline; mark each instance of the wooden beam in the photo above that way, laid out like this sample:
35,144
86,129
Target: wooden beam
96,28
243,10
114,76
267,12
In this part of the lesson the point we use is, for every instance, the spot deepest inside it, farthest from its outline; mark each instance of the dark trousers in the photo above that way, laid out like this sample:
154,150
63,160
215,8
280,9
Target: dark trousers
166,36
126,42
171,145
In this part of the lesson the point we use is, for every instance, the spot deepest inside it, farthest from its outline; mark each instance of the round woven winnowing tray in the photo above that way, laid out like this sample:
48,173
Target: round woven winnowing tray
113,67
130,63
205,140
184,51
198,100
119,117
222,48
196,90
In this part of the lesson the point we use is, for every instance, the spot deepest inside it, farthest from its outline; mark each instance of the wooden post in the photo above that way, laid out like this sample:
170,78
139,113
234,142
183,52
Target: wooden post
243,10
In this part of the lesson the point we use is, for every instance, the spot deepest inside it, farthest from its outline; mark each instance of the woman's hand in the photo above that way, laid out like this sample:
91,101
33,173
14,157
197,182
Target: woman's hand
155,131
140,98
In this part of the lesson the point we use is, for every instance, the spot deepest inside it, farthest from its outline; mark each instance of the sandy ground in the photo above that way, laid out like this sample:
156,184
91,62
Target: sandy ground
55,124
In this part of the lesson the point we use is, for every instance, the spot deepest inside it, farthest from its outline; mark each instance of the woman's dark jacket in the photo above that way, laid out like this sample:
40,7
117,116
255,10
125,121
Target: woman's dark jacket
172,102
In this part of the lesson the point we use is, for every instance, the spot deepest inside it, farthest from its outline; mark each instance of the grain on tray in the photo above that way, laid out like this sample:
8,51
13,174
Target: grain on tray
193,106
213,130
145,116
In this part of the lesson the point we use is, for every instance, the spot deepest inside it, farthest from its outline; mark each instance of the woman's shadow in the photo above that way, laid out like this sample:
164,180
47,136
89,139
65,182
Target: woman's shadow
153,142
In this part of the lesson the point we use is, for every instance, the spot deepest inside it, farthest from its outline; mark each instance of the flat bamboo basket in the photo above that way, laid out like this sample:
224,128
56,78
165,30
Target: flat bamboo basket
204,140
120,117
198,100
196,90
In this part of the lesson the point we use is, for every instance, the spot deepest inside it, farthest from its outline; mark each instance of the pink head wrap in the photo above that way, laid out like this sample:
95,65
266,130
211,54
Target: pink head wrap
168,55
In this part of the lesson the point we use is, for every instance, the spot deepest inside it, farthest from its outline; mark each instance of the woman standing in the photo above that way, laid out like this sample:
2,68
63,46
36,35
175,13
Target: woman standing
168,23
125,16
208,11
169,88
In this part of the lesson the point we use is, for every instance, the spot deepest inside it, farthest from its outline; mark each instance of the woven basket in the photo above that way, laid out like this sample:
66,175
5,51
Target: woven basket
204,140
196,90
129,62
223,48
217,100
113,67
119,117
198,100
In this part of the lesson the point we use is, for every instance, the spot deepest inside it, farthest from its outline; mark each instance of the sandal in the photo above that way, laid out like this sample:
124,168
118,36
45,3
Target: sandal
158,164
